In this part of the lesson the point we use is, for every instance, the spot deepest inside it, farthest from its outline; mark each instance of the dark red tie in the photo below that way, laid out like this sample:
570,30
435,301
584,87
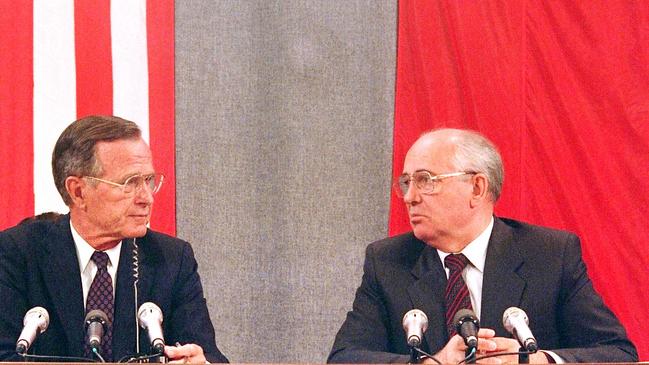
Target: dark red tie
457,293
100,296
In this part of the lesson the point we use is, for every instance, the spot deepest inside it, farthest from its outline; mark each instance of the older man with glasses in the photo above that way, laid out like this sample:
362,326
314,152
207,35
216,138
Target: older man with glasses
461,259
102,257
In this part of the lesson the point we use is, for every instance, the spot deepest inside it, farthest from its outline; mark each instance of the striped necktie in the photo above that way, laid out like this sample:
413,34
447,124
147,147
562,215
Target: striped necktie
457,293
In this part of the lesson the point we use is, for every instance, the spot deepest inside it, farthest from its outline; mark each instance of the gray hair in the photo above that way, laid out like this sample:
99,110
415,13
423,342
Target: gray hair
74,152
474,152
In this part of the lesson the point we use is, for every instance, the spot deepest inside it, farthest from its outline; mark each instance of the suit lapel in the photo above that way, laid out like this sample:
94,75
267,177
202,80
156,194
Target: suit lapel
63,280
427,294
124,325
124,334
502,285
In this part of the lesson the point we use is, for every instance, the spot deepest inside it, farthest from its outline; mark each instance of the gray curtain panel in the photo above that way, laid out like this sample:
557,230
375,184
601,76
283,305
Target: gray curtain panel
284,115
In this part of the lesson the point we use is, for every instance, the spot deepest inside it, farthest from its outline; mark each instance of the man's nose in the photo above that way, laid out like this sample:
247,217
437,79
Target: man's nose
412,194
144,194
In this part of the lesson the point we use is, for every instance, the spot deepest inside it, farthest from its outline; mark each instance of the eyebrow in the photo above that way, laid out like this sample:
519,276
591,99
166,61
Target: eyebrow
424,170
128,176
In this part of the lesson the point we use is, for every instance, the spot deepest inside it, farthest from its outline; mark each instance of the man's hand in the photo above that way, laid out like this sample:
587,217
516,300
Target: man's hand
510,345
185,354
453,352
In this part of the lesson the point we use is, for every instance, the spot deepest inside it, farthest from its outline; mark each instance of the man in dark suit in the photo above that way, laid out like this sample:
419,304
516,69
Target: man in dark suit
450,183
104,171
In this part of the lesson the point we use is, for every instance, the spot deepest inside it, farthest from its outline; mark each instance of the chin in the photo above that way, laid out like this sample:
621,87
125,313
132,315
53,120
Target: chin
422,234
137,231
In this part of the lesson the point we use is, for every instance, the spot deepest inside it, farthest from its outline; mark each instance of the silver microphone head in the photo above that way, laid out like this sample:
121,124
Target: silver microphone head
35,322
511,315
40,316
149,316
516,322
415,324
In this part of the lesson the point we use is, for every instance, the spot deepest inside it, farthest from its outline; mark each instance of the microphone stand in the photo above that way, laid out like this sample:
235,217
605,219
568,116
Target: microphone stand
162,359
414,355
523,356
470,355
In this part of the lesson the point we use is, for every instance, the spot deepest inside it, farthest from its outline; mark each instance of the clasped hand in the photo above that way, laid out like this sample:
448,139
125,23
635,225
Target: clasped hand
454,351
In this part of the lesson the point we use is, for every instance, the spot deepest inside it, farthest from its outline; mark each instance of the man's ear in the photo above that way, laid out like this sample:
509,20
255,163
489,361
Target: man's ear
480,189
75,186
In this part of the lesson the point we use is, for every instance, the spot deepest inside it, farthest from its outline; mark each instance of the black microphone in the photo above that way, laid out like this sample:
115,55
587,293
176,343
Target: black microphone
149,316
516,322
467,326
415,324
96,321
35,322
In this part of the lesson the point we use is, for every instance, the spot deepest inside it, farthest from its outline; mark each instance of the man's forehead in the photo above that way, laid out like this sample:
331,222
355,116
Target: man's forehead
430,153
123,153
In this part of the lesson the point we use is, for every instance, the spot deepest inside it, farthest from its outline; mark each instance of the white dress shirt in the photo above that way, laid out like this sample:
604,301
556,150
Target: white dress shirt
88,268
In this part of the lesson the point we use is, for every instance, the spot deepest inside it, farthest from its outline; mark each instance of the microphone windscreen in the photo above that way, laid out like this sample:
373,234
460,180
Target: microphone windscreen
464,315
96,315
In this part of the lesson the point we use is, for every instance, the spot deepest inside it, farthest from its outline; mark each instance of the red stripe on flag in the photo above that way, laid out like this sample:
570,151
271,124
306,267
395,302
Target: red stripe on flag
93,57
16,112
160,43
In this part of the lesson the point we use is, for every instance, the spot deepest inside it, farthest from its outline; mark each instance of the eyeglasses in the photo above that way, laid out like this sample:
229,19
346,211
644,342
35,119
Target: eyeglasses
425,182
135,182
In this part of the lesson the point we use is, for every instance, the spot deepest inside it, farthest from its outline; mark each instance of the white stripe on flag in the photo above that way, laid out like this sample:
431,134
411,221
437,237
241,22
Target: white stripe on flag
130,67
55,104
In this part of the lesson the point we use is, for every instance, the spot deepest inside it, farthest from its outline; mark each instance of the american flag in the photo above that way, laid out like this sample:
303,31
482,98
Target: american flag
61,60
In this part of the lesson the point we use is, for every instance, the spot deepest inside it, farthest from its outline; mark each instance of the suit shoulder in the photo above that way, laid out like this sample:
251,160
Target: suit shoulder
539,236
164,239
404,248
165,245
26,235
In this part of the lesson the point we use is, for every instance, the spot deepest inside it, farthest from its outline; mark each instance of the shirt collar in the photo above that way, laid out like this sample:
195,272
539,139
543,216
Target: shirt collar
476,250
85,251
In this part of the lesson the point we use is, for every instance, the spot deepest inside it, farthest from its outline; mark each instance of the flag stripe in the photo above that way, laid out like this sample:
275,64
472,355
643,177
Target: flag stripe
16,95
160,29
54,92
93,57
130,69
66,59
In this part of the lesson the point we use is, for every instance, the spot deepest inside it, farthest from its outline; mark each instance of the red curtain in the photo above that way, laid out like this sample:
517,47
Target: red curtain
562,88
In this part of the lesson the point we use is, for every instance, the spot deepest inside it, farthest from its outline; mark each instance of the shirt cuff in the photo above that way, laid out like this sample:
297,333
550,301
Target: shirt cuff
552,357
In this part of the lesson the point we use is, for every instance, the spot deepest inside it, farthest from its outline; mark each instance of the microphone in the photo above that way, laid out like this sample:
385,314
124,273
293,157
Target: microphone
96,319
149,316
467,326
415,324
35,322
516,322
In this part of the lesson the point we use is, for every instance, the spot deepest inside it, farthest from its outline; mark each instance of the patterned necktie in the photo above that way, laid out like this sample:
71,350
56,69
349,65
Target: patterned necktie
457,293
100,296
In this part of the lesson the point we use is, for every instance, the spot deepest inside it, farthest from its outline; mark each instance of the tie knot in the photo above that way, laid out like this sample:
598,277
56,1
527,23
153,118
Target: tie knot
456,262
100,259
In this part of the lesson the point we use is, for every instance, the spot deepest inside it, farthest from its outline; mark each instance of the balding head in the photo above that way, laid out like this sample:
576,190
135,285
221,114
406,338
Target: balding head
471,151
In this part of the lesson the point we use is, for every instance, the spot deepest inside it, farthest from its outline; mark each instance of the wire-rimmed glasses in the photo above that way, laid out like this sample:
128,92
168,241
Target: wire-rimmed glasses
135,182
425,182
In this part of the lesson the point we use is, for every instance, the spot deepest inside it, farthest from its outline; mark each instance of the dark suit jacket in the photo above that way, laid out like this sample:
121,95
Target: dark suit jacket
39,267
536,269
